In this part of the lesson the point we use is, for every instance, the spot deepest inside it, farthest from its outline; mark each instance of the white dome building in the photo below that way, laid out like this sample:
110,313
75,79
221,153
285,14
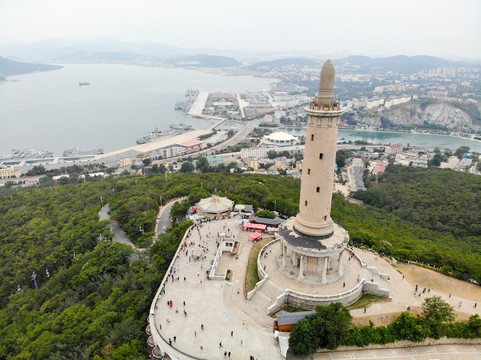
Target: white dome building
279,139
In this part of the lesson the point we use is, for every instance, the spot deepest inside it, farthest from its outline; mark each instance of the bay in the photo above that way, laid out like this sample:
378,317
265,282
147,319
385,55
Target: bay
389,138
50,111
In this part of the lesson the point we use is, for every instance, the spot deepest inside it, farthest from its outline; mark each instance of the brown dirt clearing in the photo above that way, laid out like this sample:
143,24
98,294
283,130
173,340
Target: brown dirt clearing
439,282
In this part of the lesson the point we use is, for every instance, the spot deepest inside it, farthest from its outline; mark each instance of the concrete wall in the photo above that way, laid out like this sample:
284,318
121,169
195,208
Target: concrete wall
374,289
308,301
278,303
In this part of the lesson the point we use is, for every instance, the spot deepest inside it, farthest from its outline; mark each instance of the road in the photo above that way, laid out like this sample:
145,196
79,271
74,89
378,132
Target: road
119,236
238,137
437,352
163,218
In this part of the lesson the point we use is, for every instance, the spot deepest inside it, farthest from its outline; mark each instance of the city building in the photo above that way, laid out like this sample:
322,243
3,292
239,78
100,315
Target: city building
125,162
9,172
394,149
254,152
191,145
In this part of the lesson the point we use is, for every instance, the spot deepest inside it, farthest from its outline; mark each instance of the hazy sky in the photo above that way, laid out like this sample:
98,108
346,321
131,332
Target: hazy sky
450,28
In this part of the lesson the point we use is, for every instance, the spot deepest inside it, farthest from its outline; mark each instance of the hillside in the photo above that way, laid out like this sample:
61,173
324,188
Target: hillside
106,57
279,63
10,67
363,64
94,299
423,113
203,60
399,64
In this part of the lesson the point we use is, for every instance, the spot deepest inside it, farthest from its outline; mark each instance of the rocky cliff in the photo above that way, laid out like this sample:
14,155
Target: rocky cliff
424,114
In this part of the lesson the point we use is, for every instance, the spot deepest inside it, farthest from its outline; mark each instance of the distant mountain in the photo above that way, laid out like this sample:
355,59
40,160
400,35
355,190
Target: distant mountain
105,57
51,50
10,67
399,64
203,60
268,65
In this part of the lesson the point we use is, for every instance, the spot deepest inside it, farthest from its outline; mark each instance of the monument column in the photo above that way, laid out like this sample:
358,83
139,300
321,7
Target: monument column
340,269
324,272
301,264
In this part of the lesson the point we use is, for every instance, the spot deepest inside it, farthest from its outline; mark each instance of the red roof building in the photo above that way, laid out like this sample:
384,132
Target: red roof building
251,226
394,149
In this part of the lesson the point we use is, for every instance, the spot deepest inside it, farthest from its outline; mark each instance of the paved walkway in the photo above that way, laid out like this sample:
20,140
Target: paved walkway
119,235
162,223
219,305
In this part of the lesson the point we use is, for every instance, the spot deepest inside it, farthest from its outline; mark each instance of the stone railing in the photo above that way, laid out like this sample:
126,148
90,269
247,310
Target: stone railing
346,298
278,303
213,269
157,338
260,272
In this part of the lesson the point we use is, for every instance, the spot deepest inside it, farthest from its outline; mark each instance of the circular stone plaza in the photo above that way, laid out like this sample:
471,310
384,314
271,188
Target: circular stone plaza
240,321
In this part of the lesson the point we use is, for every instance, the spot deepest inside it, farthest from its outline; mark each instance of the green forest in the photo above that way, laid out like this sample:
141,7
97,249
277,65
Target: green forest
94,295
331,327
430,216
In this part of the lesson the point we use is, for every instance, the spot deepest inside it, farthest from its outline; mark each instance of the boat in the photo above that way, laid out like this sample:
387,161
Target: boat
75,151
185,105
80,83
155,135
27,153
181,126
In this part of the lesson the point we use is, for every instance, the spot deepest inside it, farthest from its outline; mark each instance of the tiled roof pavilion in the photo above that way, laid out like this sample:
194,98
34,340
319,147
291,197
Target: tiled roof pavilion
215,205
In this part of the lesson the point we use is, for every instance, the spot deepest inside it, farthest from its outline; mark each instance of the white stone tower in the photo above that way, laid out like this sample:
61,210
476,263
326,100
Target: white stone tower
312,244
314,216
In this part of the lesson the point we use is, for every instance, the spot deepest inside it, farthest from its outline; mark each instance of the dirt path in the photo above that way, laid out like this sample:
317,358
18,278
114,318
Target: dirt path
439,282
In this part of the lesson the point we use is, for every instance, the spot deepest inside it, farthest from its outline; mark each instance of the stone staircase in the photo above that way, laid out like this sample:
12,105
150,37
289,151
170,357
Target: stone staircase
266,295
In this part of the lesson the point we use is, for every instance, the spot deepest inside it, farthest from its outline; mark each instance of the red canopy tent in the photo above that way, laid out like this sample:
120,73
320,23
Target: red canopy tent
255,236
251,226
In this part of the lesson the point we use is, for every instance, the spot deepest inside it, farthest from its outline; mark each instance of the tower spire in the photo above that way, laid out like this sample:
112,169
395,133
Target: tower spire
326,85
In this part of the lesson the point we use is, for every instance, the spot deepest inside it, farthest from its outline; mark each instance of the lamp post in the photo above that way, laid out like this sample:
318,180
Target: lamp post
102,201
34,278
160,200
